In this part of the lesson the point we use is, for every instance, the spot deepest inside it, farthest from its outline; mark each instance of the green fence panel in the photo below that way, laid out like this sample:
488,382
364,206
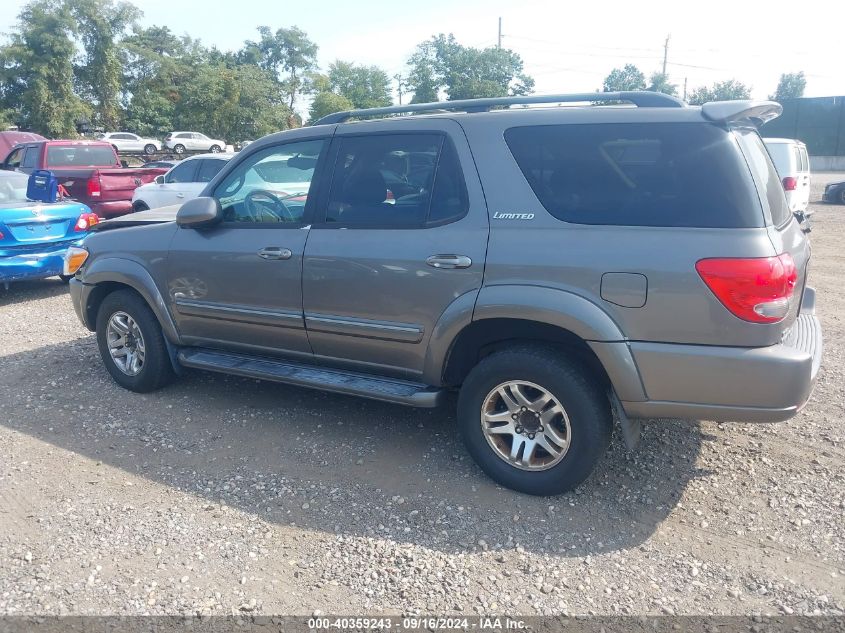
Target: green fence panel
819,122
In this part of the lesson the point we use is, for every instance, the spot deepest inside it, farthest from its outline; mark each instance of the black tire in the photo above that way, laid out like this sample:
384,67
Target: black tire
584,400
66,278
179,149
156,370
140,206
215,149
149,149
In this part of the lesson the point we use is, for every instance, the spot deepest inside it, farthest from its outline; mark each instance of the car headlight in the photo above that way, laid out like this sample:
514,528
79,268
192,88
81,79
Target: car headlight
73,260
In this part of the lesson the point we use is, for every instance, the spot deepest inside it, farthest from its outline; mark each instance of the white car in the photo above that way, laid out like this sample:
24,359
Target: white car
793,165
128,142
183,182
180,142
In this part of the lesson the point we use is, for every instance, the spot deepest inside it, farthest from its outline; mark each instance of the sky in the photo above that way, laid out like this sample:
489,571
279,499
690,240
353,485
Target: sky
566,46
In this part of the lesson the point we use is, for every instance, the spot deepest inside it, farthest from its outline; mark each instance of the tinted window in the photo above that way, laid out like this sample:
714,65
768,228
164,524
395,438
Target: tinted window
30,157
183,172
384,180
272,185
638,174
209,169
13,160
449,200
80,156
765,175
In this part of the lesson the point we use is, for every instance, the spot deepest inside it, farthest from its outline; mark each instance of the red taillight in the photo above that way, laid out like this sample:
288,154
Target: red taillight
85,222
94,190
757,290
790,183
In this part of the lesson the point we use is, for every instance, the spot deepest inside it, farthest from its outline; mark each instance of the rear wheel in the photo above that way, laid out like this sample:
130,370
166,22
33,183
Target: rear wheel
534,420
179,149
215,149
149,149
131,343
140,206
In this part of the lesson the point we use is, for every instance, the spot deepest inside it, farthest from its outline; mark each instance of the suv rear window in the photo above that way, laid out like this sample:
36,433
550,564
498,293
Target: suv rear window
638,174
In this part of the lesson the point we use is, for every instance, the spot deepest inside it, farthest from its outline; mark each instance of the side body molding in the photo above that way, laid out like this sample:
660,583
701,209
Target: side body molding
134,275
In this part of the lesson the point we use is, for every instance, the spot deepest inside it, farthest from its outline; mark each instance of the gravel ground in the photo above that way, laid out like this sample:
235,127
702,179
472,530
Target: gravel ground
223,495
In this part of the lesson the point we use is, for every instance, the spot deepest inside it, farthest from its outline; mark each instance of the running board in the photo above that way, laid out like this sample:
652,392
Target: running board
313,376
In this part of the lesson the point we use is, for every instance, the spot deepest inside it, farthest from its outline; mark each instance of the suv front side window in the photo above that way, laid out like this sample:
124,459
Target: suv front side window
272,186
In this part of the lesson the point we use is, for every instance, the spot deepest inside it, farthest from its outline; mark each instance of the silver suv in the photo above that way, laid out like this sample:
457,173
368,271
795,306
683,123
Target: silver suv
556,266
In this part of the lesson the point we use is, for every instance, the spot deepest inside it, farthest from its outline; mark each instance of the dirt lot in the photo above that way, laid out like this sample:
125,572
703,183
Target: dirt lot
223,495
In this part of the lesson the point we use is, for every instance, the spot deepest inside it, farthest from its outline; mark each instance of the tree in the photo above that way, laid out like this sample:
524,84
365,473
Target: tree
288,54
441,63
659,82
326,103
36,83
790,86
101,24
729,90
362,86
628,77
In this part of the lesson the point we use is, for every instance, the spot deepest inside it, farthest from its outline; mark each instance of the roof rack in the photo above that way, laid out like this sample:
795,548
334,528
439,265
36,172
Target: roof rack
640,99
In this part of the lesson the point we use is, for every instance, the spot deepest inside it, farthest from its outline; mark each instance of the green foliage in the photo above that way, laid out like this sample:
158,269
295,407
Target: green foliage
658,82
362,86
790,86
729,90
36,84
441,63
326,102
288,54
629,77
101,24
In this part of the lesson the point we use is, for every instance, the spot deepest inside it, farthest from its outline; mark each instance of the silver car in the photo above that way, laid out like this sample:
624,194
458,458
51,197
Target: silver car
556,267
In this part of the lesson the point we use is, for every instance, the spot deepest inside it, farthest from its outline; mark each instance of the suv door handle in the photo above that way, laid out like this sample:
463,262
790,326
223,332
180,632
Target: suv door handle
275,252
449,261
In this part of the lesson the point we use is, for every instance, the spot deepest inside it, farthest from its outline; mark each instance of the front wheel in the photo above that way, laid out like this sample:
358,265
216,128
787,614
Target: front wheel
149,149
533,420
131,343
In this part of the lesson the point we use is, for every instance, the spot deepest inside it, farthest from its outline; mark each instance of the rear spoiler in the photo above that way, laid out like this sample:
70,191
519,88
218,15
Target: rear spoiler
747,112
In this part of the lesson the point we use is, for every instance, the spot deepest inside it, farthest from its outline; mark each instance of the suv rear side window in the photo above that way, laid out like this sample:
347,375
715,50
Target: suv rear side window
765,175
638,174
396,180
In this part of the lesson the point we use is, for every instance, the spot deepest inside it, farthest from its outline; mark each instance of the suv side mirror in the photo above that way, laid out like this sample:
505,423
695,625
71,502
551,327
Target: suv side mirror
199,212
159,180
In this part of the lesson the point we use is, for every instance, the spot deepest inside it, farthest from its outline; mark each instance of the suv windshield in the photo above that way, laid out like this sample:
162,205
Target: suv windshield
638,174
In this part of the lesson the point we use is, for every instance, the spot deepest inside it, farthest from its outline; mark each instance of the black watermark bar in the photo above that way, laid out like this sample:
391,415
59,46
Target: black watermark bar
492,623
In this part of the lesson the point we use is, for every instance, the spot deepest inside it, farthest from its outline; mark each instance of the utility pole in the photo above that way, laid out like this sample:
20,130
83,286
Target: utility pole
685,88
499,45
665,53
400,85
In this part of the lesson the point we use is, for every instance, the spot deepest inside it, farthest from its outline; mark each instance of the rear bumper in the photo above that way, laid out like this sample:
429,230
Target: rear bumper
111,208
36,264
766,384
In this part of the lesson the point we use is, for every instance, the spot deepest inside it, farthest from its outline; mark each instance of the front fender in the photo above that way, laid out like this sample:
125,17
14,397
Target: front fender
130,273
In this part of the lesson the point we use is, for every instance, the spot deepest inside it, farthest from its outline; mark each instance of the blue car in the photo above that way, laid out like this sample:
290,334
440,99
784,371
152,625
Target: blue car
35,235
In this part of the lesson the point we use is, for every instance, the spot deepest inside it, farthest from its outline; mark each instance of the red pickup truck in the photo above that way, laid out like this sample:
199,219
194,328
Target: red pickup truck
90,171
